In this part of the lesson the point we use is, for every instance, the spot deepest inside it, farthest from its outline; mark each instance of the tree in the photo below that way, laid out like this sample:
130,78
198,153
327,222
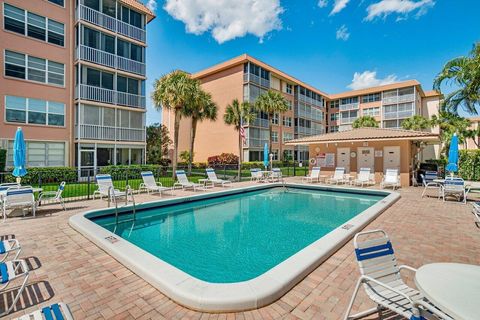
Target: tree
158,143
464,74
365,122
271,102
450,123
174,91
417,123
200,108
238,114
185,156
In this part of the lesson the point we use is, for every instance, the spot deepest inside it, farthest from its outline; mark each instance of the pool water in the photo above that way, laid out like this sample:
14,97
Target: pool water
238,237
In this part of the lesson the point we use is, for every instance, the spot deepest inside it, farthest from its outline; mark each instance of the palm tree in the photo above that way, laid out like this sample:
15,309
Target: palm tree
238,114
450,123
174,91
365,122
271,102
416,123
463,73
200,108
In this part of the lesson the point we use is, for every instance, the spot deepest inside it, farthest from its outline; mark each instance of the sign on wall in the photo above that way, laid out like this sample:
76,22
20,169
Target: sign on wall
378,153
326,160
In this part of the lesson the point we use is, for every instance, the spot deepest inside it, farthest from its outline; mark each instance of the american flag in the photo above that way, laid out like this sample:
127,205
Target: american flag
242,133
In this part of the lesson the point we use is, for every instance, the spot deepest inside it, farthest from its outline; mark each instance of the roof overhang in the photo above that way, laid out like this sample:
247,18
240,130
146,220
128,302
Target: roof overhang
432,138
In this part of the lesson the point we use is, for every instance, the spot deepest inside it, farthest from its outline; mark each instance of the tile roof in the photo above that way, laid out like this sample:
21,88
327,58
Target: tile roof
365,134
140,7
433,93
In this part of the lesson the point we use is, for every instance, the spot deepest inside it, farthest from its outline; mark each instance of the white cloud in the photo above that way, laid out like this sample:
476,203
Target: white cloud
368,79
227,19
322,3
338,6
152,5
342,33
384,8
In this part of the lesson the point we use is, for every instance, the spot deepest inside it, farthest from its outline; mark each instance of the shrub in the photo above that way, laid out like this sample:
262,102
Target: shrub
3,159
469,164
224,158
46,175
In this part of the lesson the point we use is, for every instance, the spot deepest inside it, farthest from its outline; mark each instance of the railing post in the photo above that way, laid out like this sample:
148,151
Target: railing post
88,183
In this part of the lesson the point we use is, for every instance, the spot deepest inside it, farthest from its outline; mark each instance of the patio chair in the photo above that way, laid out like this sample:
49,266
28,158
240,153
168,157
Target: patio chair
53,196
183,182
9,271
8,246
256,175
338,176
150,184
428,183
57,311
18,198
106,188
390,179
313,176
383,283
454,186
275,175
363,177
212,177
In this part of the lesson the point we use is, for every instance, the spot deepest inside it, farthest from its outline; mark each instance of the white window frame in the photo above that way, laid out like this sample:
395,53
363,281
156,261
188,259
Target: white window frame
27,110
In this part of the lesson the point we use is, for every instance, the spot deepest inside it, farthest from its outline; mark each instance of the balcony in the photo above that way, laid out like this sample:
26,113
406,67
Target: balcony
110,23
108,96
97,132
258,122
250,77
398,114
349,106
347,120
398,99
110,60
255,143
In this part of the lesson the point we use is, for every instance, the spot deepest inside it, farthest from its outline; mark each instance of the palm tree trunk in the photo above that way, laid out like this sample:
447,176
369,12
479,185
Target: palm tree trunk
193,132
240,153
175,143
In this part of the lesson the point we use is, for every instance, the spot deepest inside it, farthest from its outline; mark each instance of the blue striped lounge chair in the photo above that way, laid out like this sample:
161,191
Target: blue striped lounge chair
182,181
338,176
314,176
53,196
18,198
105,187
9,272
382,281
8,246
150,184
455,186
56,311
391,179
212,177
276,175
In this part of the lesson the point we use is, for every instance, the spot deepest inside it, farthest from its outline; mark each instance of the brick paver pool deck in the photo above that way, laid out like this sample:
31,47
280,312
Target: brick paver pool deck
67,267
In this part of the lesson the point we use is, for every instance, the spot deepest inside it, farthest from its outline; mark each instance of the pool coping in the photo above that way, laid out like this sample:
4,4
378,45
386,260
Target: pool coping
204,296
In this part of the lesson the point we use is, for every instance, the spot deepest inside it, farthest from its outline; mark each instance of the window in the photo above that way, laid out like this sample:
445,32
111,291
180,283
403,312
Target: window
287,136
22,66
371,112
289,88
130,16
129,50
349,100
56,73
275,155
275,119
37,69
287,121
333,128
127,85
34,111
59,2
15,65
371,97
334,104
109,7
101,79
287,155
93,4
334,116
38,27
290,104
274,136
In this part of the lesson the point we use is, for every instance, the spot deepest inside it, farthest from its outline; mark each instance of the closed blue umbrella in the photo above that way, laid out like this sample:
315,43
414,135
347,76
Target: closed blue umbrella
452,165
19,154
265,155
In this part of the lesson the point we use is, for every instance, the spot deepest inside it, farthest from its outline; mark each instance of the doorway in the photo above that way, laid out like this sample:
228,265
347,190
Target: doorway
343,158
87,163
391,158
366,158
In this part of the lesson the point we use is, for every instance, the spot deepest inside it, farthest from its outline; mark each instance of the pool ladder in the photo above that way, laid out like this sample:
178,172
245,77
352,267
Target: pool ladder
128,192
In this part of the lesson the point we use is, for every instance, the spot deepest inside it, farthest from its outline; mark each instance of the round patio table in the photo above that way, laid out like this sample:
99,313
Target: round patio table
454,288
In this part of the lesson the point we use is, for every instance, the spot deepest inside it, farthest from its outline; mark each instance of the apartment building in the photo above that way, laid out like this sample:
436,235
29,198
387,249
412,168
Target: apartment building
311,112
74,79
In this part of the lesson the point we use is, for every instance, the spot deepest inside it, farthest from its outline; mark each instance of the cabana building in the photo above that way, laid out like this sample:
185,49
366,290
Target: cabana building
375,148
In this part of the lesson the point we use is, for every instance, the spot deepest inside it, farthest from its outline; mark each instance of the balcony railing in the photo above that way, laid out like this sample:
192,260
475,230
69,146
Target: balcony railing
349,106
97,132
398,114
105,21
347,120
110,60
108,96
250,77
258,122
398,99
309,100
255,143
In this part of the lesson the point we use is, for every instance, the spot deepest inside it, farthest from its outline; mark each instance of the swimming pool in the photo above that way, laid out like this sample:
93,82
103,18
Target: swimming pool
236,249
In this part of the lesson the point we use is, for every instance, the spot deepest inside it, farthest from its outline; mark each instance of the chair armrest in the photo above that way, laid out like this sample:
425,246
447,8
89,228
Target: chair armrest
386,286
159,184
403,266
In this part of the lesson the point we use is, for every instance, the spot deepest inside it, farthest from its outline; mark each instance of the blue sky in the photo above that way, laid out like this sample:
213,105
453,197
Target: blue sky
323,43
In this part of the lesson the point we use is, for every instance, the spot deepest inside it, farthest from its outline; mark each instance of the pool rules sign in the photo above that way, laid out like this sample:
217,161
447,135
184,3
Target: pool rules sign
326,160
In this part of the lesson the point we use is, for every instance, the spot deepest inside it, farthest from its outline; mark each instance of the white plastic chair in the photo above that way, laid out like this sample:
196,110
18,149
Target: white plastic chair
429,184
275,175
183,182
18,198
383,283
8,246
338,176
363,177
390,179
454,186
313,176
256,175
106,188
150,184
53,196
57,311
9,271
212,177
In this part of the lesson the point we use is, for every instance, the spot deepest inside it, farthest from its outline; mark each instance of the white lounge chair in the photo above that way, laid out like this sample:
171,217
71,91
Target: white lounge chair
53,196
314,176
454,186
9,271
338,176
363,178
150,184
256,175
106,188
428,183
383,283
212,177
57,311
182,181
8,246
390,179
18,198
275,175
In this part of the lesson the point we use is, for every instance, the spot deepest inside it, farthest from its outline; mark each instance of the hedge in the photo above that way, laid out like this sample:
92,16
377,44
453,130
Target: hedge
469,164
3,159
46,175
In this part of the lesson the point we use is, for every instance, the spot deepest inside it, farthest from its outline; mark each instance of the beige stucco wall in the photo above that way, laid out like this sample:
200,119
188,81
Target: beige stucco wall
406,160
430,106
